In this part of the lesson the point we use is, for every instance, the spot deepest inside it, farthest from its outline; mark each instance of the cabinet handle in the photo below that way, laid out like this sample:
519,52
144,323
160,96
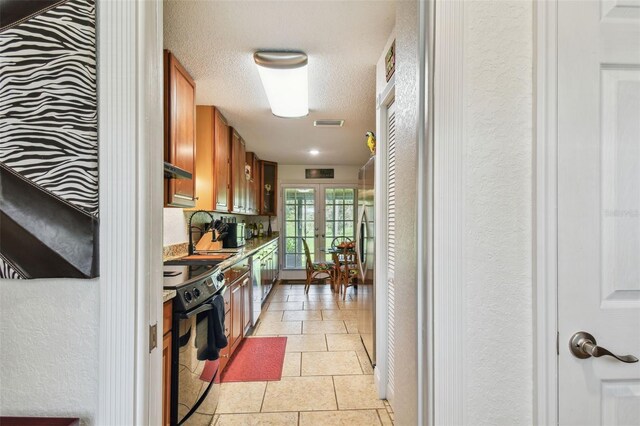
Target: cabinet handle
225,356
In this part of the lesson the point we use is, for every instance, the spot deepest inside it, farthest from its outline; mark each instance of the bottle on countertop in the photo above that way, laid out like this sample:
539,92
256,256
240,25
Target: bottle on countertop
269,231
254,229
260,230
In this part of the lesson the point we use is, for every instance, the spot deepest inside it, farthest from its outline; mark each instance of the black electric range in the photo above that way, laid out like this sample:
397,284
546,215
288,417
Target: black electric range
195,380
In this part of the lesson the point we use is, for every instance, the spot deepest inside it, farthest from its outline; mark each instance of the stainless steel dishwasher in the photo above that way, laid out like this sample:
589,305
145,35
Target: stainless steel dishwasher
256,288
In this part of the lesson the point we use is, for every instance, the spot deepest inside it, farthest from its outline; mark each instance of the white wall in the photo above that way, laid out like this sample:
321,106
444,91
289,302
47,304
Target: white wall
49,347
174,226
406,382
498,212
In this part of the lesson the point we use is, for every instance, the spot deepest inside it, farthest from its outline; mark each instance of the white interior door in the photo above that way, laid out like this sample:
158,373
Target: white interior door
599,208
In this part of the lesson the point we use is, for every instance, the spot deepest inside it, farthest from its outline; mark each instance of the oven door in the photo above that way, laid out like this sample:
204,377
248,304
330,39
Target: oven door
195,383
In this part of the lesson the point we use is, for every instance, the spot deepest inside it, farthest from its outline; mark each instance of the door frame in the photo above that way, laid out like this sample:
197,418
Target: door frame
130,118
545,225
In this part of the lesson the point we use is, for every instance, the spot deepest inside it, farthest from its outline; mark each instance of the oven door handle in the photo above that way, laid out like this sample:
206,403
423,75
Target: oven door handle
204,308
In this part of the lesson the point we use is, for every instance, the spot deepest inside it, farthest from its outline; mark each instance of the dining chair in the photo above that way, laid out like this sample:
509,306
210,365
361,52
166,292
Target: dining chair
346,269
317,270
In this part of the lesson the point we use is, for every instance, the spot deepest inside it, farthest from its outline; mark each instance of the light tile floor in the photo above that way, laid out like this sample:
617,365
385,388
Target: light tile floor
327,378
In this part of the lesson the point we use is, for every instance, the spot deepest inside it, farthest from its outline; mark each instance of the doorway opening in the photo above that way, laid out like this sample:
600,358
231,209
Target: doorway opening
322,214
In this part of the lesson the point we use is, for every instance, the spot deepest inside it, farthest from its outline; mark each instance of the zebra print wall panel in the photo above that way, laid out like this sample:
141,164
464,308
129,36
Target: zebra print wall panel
48,136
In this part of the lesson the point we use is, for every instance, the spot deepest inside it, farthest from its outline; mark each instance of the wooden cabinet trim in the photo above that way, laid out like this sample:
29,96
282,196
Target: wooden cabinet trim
166,379
167,318
222,163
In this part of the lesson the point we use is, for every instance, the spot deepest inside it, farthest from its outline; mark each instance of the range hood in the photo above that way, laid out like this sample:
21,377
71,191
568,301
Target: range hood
175,172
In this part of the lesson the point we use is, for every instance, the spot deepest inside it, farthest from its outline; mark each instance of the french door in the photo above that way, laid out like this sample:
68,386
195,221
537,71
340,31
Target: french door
318,213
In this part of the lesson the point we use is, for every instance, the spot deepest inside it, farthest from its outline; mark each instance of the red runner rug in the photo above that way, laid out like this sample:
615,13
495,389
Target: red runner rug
257,359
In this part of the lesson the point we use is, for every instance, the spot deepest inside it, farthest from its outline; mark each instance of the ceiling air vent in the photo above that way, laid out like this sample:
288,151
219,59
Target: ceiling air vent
328,123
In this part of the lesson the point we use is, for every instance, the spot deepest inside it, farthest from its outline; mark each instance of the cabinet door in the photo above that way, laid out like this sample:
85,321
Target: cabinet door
256,183
246,304
237,173
236,316
242,175
222,164
205,117
251,194
180,131
166,379
268,188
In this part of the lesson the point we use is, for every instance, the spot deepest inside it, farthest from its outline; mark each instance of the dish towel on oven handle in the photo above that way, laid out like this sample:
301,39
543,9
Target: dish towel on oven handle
210,336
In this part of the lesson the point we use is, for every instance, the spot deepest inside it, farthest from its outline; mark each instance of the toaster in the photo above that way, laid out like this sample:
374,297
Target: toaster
235,236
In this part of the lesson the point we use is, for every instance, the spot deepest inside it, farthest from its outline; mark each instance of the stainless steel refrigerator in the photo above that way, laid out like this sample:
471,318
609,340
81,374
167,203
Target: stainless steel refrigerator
365,247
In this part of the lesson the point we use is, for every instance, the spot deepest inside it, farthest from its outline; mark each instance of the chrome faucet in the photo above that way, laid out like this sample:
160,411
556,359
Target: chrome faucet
191,247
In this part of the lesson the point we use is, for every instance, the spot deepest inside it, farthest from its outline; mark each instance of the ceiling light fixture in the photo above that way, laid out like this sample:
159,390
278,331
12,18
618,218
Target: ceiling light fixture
285,81
314,152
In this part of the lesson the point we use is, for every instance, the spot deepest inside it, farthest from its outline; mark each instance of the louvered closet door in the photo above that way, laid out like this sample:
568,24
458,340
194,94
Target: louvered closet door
391,241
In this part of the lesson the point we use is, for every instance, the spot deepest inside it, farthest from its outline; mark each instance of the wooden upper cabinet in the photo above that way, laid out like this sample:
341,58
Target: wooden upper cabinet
238,178
179,131
268,188
222,163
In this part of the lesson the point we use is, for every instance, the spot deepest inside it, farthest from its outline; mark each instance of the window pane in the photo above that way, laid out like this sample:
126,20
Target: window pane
349,194
310,213
290,213
329,195
348,230
328,212
291,228
348,212
309,231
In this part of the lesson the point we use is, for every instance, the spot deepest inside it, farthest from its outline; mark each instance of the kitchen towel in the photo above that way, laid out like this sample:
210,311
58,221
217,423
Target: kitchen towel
210,337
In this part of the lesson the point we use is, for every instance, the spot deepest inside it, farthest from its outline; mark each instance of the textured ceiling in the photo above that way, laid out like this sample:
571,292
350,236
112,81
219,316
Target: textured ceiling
215,41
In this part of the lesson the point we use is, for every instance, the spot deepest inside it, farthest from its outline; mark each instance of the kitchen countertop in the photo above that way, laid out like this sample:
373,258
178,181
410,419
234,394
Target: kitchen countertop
168,295
250,247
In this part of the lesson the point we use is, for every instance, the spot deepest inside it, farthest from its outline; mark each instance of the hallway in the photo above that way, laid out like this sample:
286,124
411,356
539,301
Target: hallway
327,378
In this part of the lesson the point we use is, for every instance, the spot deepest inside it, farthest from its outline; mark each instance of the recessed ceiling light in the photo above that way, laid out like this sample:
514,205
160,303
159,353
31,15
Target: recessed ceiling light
314,152
328,123
285,81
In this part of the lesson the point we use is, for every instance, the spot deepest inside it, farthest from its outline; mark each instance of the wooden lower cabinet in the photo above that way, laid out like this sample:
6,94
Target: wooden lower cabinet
166,363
